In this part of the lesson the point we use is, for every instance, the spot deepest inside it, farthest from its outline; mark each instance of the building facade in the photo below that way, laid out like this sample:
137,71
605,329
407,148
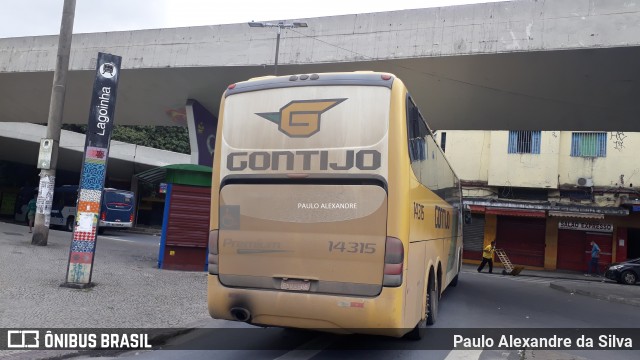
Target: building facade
545,195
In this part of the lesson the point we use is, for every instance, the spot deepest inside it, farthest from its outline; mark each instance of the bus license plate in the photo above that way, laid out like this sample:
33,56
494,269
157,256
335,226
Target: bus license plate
296,285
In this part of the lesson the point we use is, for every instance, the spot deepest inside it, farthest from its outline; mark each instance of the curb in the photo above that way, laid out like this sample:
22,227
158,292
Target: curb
155,232
596,280
586,279
611,298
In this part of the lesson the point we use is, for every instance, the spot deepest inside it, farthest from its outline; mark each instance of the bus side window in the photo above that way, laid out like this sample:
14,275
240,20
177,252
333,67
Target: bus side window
70,199
58,202
416,133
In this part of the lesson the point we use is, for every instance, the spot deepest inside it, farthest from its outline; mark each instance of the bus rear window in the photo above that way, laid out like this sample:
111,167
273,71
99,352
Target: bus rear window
118,199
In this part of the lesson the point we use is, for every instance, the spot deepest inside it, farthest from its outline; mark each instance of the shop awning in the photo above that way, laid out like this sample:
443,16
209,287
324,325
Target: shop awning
579,215
477,209
516,212
159,174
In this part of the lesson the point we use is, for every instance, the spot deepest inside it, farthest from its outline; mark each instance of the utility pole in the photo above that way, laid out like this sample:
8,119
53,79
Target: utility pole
275,71
54,124
280,25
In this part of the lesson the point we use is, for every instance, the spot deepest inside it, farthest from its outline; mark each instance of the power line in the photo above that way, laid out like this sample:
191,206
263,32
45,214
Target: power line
468,83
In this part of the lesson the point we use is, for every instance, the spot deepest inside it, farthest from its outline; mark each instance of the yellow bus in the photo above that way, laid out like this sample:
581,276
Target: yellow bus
332,207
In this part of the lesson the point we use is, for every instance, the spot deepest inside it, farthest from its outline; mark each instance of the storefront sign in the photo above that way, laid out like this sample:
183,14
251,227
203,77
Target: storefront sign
572,225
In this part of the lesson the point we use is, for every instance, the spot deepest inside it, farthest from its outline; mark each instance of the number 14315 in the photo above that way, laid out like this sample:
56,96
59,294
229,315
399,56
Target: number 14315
352,247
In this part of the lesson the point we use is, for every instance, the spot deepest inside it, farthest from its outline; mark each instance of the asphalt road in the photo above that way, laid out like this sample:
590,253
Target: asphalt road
124,236
479,301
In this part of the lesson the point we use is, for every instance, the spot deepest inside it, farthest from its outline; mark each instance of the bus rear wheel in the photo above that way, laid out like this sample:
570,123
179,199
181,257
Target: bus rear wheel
419,331
70,223
432,302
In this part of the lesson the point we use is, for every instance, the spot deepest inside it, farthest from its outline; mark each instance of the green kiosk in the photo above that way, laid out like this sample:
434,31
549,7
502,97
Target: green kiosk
185,224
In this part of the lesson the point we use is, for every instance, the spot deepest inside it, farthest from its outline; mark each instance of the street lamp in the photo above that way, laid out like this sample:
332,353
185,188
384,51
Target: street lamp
280,25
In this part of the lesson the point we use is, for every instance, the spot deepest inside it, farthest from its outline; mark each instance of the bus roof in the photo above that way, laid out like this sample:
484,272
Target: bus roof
363,78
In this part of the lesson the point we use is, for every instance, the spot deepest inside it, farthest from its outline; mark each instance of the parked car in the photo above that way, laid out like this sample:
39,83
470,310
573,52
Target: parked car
627,272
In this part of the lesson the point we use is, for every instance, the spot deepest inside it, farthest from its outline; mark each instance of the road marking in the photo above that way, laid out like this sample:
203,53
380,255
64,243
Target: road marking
308,350
529,279
463,355
116,239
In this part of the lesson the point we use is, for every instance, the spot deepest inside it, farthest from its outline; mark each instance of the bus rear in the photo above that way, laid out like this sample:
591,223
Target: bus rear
300,205
117,209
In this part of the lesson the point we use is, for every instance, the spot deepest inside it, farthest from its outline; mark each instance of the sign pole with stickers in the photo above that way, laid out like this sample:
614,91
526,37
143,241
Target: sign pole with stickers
94,170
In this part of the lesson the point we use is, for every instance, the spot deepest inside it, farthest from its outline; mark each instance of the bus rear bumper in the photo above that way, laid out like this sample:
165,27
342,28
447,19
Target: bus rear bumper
115,224
380,315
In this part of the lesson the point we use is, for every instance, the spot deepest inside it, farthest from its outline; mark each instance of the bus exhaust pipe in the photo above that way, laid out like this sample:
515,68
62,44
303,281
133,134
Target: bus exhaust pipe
240,314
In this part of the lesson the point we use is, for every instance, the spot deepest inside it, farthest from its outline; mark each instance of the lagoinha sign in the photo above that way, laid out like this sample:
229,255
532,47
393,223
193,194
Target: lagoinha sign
94,170
573,225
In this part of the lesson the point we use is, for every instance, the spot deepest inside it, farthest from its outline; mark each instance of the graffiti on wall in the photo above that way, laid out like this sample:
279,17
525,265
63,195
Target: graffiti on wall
618,140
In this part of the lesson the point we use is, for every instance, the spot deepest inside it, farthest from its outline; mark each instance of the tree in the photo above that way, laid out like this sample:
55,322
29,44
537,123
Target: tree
171,138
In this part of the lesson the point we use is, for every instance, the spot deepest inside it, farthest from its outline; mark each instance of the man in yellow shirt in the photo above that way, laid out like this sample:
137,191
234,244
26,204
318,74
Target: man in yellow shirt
487,257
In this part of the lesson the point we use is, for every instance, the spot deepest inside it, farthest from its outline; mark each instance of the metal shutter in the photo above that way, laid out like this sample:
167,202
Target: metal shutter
473,237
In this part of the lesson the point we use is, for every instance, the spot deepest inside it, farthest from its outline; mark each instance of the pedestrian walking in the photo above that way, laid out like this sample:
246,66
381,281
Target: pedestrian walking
487,257
593,264
31,210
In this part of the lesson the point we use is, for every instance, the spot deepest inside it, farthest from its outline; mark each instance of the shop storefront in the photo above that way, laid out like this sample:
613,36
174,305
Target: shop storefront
574,244
522,235
553,236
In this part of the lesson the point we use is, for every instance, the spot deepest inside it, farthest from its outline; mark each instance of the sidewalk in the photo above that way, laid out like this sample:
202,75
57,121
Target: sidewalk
577,283
130,291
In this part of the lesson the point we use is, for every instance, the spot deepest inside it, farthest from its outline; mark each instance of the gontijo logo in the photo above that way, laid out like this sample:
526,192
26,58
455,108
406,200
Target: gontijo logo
301,118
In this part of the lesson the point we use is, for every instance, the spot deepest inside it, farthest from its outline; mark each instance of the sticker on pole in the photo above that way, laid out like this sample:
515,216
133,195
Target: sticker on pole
108,70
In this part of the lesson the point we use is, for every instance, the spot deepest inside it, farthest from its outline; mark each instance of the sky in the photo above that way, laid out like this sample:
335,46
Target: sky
42,17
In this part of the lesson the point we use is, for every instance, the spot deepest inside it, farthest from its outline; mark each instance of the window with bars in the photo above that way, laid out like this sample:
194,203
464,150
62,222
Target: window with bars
443,141
524,142
589,144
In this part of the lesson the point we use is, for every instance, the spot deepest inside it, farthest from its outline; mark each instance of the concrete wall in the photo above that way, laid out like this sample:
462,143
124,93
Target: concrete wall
482,156
513,26
468,153
524,170
551,244
621,162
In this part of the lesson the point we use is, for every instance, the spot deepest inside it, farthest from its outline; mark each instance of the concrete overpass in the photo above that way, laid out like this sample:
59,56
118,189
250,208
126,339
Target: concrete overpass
19,143
530,65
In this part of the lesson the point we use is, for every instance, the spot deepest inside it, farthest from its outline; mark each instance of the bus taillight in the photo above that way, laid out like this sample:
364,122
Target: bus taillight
393,262
131,218
103,216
